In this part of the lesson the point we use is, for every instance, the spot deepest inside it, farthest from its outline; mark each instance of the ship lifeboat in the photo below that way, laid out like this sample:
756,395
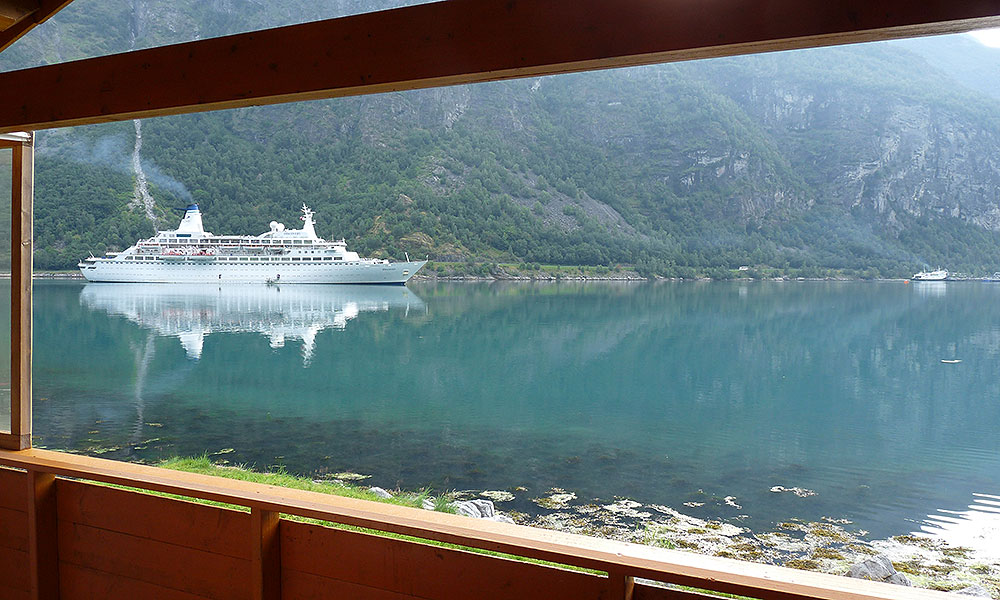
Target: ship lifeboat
203,255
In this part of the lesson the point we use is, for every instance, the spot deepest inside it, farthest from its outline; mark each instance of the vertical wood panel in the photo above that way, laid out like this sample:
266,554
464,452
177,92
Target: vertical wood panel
20,292
621,586
43,541
265,559
12,490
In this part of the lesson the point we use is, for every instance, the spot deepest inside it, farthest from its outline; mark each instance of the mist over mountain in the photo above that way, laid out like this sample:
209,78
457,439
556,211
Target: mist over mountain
877,159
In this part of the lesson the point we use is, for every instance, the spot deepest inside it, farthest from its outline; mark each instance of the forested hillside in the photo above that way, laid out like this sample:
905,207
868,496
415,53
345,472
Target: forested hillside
867,159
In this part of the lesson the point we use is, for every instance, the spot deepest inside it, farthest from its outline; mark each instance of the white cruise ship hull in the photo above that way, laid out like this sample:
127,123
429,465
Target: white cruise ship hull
186,270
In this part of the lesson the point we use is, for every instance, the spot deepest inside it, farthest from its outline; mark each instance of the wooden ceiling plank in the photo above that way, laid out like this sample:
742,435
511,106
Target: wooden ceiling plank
17,9
445,43
40,12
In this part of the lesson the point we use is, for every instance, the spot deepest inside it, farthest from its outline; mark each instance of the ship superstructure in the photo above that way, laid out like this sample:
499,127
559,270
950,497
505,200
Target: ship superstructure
189,254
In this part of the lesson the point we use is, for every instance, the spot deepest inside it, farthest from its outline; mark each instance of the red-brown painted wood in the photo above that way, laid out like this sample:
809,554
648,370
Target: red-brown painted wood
306,586
265,555
212,529
43,542
14,568
80,583
9,593
13,529
12,494
425,571
176,567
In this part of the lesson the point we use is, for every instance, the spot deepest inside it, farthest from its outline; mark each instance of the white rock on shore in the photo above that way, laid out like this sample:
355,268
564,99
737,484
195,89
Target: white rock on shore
480,509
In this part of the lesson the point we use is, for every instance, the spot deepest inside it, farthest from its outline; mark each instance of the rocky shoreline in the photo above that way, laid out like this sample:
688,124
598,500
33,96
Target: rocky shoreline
830,546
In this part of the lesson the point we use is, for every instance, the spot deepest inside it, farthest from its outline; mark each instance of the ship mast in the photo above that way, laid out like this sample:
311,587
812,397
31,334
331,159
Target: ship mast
308,225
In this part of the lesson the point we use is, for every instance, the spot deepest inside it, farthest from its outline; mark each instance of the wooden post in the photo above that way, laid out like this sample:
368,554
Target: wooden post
22,184
265,557
621,585
43,540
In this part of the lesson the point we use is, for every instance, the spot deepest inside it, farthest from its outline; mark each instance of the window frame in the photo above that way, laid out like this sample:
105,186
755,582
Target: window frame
22,188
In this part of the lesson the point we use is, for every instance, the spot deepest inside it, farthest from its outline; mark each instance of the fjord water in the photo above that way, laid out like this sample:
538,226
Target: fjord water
666,393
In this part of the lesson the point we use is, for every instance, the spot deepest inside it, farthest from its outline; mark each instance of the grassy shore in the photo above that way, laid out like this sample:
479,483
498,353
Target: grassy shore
336,487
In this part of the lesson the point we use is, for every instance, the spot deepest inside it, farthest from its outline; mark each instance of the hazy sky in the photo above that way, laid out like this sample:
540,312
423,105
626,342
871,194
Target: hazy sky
988,37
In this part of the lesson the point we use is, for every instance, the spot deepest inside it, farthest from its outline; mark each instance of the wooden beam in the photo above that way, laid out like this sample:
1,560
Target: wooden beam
41,12
672,566
20,292
265,555
445,43
12,11
43,541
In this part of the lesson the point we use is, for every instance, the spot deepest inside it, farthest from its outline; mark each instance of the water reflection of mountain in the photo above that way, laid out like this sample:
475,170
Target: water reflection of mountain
190,312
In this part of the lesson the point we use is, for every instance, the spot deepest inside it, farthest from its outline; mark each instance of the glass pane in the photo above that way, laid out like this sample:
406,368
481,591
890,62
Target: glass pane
5,184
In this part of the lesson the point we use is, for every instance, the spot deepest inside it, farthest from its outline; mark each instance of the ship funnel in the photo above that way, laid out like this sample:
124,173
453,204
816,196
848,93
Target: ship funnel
191,223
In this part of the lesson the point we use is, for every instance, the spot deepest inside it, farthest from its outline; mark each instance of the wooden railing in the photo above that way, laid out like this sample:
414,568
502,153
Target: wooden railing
61,536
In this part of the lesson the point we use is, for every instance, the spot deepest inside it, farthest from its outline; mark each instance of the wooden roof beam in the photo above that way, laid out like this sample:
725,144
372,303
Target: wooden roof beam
24,15
445,43
12,11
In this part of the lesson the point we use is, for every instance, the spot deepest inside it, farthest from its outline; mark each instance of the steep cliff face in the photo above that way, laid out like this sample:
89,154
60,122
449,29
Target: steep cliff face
842,157
877,128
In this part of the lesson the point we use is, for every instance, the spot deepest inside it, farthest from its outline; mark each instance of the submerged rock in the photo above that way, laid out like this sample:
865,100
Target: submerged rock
557,499
800,492
497,495
878,568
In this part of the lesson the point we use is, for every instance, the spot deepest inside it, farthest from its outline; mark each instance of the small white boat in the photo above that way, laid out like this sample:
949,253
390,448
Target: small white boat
939,275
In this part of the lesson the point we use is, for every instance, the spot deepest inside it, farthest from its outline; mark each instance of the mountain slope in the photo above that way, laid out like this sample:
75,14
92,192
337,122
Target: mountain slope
865,158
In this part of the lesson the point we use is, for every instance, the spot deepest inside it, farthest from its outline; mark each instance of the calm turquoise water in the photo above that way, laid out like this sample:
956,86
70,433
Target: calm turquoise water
664,393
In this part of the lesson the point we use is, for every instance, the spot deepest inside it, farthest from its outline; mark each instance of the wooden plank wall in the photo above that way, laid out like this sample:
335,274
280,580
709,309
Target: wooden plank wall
116,543
321,562
13,534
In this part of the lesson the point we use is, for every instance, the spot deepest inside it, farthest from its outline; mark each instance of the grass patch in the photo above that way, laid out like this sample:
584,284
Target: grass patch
280,478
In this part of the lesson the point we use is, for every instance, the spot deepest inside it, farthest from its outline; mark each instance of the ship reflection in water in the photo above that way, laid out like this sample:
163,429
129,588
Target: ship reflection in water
190,312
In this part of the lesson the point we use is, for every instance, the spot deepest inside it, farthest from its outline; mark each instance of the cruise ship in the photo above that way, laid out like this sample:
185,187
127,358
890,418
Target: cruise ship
189,254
